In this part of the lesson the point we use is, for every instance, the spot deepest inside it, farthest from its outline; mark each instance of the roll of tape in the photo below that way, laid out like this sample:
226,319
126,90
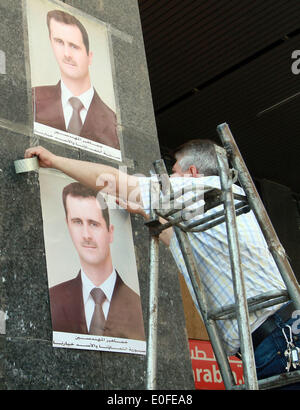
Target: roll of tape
26,165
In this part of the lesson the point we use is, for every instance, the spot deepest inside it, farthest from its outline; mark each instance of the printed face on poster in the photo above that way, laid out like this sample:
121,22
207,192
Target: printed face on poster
89,245
72,78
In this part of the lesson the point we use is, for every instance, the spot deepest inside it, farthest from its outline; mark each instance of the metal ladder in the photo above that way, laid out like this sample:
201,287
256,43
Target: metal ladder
233,205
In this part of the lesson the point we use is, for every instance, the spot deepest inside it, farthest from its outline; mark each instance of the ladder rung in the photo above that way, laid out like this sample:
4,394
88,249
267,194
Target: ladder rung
207,222
208,193
213,217
279,380
183,205
254,303
218,221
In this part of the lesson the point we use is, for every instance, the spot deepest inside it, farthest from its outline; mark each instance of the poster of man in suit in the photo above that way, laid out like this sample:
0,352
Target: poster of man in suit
93,283
71,76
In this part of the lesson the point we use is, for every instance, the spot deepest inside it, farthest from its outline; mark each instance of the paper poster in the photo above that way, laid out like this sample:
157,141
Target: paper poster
72,78
89,245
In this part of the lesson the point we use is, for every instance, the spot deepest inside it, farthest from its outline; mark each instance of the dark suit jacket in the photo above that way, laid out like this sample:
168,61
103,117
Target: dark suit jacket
124,318
100,123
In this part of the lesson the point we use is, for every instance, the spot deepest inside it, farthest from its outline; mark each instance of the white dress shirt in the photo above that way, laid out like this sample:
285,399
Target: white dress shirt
89,305
85,98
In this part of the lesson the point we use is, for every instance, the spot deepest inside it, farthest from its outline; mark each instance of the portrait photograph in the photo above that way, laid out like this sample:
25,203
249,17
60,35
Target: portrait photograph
71,70
93,282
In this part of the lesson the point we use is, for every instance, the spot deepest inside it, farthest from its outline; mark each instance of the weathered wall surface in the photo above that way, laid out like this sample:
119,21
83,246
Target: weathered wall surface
28,360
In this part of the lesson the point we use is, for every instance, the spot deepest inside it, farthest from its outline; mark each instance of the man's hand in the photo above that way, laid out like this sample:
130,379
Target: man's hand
45,157
133,208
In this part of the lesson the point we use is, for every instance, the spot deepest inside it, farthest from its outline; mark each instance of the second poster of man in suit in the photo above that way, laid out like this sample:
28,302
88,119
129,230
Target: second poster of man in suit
72,78
93,283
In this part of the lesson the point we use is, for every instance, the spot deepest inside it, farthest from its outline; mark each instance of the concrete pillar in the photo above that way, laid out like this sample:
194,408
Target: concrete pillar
27,358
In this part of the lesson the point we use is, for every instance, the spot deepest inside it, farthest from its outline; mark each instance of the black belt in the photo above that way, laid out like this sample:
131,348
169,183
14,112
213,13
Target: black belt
269,325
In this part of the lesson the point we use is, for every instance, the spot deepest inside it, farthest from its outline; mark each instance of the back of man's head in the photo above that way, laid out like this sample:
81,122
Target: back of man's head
200,153
66,18
77,190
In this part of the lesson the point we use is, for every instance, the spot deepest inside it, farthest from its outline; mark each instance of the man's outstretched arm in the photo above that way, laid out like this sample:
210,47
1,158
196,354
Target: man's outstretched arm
124,187
97,176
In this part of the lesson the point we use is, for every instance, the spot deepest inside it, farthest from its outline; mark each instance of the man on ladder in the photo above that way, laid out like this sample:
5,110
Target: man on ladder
272,328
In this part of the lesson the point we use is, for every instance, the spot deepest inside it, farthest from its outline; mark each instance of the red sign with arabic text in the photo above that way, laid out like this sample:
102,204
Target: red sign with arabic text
206,371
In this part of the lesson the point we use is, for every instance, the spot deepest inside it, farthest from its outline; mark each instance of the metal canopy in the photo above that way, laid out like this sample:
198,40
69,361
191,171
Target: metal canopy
215,61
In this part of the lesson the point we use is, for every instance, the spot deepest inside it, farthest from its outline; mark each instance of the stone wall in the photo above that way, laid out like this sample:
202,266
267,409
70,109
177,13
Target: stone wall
27,358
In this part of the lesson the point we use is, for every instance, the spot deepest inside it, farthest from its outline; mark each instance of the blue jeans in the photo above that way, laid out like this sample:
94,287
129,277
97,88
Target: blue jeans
269,355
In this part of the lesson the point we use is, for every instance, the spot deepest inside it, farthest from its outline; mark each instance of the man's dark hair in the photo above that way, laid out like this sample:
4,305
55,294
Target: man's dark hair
66,18
77,190
198,152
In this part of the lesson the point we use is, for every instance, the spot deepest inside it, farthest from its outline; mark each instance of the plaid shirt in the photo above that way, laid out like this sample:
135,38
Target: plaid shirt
211,252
